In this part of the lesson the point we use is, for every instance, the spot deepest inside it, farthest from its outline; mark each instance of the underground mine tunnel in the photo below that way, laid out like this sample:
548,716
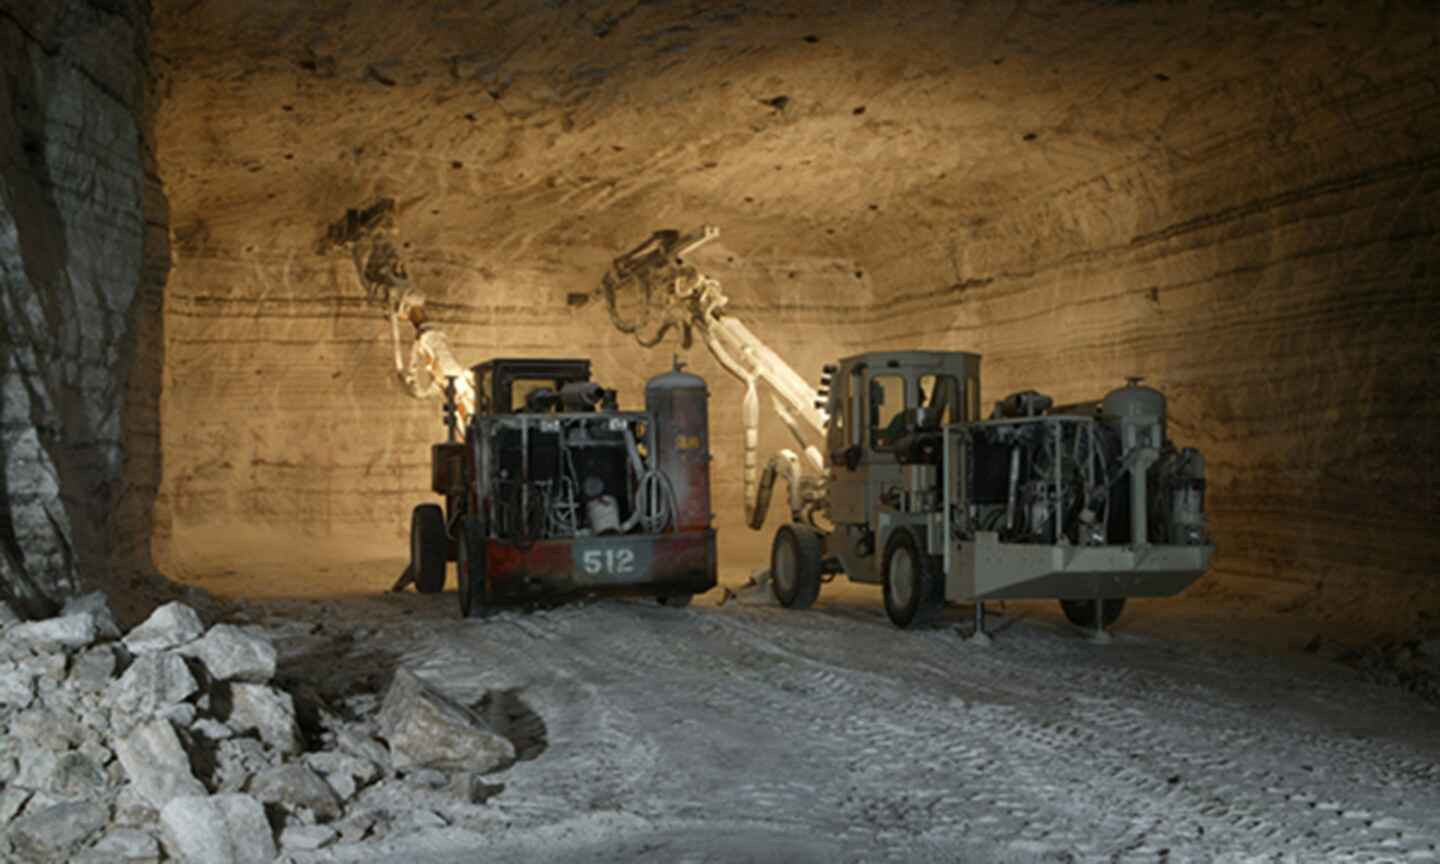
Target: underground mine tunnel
1236,201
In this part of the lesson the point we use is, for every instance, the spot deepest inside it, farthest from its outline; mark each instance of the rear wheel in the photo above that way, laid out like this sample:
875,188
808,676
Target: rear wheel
914,588
795,566
1082,612
429,545
470,567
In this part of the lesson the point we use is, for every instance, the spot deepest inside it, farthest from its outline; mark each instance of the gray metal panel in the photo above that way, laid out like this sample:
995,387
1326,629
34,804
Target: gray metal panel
987,568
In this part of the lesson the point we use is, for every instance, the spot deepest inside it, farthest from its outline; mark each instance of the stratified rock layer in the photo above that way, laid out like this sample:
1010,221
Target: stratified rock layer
82,260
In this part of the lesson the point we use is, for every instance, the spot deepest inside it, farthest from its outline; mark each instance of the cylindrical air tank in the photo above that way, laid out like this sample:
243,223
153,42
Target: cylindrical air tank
678,401
1137,415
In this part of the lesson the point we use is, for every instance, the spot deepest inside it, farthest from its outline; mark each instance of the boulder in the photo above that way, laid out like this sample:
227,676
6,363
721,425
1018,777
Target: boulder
97,717
17,685
343,785
153,682
293,785
306,837
132,809
127,844
181,714
156,763
77,776
12,801
98,752
55,730
170,626
371,825
346,774
233,654
237,760
67,631
271,713
52,833
48,667
211,729
426,729
92,669
217,829
98,605
355,742
37,766
12,649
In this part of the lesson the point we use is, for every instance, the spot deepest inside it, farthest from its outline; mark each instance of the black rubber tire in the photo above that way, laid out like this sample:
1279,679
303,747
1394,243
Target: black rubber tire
923,601
470,567
797,548
1082,612
675,601
429,548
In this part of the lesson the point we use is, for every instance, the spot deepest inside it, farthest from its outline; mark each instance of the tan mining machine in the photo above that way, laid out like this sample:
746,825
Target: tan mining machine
1088,503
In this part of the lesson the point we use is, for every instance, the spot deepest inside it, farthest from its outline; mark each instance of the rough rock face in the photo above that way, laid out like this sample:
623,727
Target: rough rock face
51,834
293,786
155,762
219,829
1235,200
100,763
170,626
231,654
268,713
427,730
70,631
83,254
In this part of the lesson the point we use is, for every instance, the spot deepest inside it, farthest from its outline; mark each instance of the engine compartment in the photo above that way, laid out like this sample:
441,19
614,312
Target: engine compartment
1042,474
570,475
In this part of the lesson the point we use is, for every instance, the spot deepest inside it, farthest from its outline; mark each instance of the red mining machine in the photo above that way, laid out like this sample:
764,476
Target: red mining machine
555,492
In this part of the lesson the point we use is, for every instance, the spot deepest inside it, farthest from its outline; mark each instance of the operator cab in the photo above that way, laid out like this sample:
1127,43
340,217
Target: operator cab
887,409
882,398
528,386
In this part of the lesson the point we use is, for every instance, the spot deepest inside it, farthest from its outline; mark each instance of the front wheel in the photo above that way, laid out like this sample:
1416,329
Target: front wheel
470,567
1082,612
795,566
429,548
914,586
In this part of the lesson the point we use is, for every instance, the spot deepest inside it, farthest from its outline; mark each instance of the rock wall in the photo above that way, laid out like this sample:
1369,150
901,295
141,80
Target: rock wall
82,262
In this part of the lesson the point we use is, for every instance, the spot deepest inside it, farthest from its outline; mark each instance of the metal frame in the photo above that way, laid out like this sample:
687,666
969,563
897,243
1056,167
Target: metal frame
486,427
978,565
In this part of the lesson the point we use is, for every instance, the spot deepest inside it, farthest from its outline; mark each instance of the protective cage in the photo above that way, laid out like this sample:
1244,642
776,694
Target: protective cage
1038,507
586,501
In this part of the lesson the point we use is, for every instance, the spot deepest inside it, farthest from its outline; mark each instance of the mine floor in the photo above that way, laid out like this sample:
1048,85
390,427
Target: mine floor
744,732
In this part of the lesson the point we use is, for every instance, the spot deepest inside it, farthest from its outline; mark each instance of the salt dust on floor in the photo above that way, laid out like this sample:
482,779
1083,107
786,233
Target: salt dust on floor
744,732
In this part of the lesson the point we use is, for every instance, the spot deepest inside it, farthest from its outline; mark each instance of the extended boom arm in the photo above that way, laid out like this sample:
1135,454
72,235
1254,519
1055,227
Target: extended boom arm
693,302
368,234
